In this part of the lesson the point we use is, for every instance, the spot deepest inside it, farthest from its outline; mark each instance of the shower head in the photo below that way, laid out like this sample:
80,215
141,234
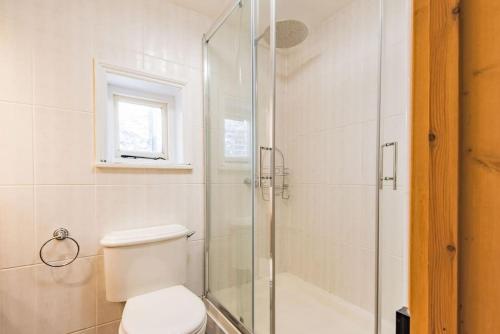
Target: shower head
289,33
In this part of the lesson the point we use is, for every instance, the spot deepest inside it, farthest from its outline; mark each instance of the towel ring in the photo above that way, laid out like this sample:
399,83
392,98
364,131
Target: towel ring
59,235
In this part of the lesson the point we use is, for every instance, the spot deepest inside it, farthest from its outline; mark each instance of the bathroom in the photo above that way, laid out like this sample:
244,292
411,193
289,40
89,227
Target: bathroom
266,143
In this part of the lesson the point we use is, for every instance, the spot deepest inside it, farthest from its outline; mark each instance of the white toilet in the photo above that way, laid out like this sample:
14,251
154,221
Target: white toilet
146,268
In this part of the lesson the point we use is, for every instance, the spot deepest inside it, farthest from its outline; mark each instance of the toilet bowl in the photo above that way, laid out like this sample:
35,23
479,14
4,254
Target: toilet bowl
146,268
174,310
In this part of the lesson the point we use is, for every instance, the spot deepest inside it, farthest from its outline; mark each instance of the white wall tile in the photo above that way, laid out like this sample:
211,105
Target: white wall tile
118,24
395,99
176,204
71,207
16,48
18,310
396,23
120,208
48,48
173,33
66,297
63,147
16,135
16,226
196,259
62,74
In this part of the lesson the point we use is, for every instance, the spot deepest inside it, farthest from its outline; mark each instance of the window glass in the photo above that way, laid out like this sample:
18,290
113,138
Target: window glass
140,127
236,139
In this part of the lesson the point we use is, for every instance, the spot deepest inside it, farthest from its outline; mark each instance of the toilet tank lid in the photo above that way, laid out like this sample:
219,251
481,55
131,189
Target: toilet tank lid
143,235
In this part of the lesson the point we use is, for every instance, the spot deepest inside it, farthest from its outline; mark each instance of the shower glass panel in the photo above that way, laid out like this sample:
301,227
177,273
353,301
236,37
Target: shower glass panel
326,147
229,164
293,99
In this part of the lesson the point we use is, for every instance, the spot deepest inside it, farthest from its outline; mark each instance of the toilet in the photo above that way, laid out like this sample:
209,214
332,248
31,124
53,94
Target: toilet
146,268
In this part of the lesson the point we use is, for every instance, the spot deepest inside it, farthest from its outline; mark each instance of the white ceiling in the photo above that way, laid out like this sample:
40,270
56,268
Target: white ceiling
211,8
310,12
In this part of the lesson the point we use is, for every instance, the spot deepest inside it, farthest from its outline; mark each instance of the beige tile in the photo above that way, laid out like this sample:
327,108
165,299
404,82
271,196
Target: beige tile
86,331
62,73
16,79
110,328
122,176
111,54
396,85
370,150
119,24
66,297
195,266
391,279
106,311
396,20
13,9
120,208
18,311
71,207
16,135
176,204
393,222
63,147
173,33
17,229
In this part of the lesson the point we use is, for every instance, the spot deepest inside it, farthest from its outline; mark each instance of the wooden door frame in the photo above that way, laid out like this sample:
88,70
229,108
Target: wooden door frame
434,167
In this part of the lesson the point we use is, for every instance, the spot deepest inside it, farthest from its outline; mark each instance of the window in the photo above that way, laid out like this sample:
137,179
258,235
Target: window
236,140
139,119
141,128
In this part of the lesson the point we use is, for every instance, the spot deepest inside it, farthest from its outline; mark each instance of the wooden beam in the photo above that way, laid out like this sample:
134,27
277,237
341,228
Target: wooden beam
480,167
434,176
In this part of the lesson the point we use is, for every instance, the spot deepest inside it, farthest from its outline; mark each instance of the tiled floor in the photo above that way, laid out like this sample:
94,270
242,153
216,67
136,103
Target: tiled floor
303,308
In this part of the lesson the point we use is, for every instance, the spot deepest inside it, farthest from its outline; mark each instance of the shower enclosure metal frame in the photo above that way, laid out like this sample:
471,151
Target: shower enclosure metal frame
272,107
205,40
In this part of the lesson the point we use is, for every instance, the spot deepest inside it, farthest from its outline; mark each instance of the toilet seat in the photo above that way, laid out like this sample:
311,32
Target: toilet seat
174,310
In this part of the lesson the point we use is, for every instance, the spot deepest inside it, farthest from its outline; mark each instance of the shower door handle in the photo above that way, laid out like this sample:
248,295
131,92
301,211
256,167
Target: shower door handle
394,177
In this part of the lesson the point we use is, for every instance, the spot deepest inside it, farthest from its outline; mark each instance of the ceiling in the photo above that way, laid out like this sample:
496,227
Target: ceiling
211,8
310,12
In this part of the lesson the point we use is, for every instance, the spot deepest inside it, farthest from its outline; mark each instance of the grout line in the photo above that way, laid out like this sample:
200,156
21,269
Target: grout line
16,103
81,111
101,185
37,264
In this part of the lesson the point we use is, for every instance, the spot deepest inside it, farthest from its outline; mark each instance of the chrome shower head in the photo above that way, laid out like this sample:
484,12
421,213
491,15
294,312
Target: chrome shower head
289,33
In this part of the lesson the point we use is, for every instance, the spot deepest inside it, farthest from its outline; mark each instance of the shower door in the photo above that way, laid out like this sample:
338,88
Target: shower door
239,96
326,146
230,164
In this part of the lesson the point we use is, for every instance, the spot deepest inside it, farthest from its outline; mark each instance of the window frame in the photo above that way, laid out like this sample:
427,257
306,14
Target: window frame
163,105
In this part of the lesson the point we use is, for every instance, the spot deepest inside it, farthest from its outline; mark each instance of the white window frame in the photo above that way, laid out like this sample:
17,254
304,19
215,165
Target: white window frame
111,79
163,106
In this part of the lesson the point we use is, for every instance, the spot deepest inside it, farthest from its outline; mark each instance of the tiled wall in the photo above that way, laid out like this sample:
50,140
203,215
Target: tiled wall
328,128
47,177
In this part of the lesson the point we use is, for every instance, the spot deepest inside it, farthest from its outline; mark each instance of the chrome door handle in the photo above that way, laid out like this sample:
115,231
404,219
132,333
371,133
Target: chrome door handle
394,177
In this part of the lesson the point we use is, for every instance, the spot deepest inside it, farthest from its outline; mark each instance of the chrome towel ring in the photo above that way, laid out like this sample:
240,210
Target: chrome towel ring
59,235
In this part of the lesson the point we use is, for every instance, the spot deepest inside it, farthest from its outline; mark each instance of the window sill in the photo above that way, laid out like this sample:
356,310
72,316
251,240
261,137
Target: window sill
120,165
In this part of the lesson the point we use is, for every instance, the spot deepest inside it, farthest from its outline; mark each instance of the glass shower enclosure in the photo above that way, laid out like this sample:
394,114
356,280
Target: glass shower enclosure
294,168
